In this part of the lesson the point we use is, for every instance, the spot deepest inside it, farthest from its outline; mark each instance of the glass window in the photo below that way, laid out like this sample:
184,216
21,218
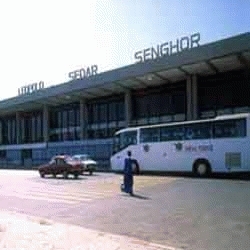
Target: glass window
103,112
153,109
100,133
54,137
198,131
3,154
53,119
34,129
59,118
127,138
60,162
77,111
91,134
112,111
150,135
1,132
76,134
95,113
142,105
14,131
164,104
179,101
4,131
72,118
39,127
9,126
229,128
65,118
170,133
120,111
90,113
27,130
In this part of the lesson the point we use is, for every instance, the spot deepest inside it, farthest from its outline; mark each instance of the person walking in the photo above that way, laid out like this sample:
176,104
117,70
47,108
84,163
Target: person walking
128,180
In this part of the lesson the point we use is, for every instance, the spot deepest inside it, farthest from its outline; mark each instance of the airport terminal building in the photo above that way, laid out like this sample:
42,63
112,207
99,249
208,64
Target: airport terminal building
81,116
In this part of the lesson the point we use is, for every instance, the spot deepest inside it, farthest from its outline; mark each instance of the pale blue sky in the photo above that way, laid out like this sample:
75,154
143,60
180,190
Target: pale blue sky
44,40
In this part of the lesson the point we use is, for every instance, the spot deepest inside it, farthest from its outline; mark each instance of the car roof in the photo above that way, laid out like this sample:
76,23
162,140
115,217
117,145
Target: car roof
61,157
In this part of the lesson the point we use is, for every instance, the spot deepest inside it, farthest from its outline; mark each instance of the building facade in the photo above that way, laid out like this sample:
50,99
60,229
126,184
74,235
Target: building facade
81,116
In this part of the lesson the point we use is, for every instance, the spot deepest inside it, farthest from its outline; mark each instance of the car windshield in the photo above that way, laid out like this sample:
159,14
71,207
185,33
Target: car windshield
69,159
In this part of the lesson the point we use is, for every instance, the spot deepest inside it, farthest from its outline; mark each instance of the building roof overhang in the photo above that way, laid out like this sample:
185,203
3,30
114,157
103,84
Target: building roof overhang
225,55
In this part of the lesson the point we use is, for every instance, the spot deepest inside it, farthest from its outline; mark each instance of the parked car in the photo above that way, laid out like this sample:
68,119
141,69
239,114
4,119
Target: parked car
88,164
61,165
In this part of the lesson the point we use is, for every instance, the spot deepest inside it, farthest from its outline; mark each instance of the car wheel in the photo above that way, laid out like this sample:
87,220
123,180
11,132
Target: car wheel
65,175
42,174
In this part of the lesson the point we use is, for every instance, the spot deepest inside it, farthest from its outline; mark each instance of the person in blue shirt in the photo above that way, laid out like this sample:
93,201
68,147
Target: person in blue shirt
128,183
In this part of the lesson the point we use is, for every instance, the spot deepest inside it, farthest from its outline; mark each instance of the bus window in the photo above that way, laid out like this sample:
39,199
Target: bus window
150,135
229,128
170,133
123,140
198,131
128,138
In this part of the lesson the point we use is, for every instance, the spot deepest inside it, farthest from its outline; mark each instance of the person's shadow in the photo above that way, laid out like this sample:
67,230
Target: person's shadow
138,196
134,195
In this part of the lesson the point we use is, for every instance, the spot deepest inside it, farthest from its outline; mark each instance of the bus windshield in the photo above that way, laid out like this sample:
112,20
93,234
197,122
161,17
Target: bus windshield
123,140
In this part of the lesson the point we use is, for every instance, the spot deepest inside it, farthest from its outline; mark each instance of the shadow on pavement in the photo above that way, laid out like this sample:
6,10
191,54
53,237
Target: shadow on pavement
138,196
80,178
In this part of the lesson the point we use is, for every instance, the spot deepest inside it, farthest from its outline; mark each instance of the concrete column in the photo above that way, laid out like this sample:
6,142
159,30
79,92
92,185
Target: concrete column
192,97
18,128
45,123
128,108
83,119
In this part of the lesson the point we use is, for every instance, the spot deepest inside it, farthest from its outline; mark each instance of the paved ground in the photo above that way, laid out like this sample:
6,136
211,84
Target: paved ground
22,232
175,211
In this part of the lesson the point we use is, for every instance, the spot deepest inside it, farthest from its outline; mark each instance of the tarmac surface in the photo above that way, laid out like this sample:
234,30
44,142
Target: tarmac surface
177,212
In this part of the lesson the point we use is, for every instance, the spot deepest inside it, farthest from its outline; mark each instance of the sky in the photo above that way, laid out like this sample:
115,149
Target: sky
44,40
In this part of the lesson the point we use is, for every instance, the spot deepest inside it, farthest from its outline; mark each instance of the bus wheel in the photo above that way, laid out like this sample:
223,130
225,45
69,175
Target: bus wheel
202,168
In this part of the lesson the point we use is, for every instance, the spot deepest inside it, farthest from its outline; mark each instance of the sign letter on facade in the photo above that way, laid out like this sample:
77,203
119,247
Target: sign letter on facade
84,72
168,48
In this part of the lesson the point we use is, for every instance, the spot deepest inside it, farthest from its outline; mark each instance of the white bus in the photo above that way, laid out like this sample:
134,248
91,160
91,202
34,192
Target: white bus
220,144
